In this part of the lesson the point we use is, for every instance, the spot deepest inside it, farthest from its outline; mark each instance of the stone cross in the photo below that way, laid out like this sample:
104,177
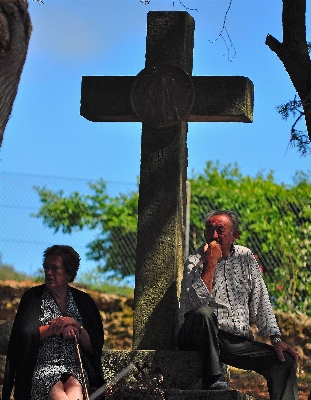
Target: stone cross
164,97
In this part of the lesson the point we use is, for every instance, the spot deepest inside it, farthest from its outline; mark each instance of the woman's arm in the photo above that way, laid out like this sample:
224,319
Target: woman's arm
45,331
84,340
68,327
58,326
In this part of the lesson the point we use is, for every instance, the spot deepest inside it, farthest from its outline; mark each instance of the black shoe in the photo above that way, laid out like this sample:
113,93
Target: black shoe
217,382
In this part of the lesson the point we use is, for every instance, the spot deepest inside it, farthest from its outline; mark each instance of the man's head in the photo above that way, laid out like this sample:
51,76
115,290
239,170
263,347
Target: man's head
223,227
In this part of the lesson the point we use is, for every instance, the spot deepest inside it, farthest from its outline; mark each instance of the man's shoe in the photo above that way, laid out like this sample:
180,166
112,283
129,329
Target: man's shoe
216,383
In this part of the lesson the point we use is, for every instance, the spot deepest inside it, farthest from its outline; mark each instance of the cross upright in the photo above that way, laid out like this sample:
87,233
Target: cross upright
164,97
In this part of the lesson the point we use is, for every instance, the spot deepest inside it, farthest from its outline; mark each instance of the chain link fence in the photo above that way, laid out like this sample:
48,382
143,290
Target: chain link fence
23,238
268,259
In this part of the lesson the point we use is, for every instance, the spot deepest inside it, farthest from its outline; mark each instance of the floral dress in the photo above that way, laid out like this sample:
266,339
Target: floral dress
56,354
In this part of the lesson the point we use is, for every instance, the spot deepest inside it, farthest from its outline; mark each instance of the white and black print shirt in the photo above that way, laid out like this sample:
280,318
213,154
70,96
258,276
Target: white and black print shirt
56,354
239,296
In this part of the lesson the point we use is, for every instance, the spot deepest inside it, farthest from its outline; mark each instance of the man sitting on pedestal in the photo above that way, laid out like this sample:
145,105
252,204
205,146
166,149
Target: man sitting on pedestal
222,293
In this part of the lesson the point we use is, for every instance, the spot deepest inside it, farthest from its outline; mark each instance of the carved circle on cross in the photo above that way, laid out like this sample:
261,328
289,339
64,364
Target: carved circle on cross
162,96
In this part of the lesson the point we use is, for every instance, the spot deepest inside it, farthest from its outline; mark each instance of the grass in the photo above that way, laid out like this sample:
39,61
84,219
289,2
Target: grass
123,291
92,280
105,283
7,272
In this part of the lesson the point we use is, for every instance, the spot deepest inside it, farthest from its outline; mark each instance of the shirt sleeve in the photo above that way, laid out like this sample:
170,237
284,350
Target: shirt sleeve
195,292
260,308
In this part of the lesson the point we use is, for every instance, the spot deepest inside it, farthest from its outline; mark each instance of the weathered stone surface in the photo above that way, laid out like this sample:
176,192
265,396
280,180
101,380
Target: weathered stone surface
175,369
163,98
217,99
222,99
143,394
162,196
205,395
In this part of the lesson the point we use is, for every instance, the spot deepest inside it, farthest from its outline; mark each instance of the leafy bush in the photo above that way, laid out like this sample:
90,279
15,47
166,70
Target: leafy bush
275,223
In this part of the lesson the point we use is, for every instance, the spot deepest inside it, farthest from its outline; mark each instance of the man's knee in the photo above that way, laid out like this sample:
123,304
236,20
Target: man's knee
289,360
204,312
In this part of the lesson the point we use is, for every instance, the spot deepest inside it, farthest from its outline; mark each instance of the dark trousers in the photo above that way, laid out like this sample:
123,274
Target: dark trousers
200,332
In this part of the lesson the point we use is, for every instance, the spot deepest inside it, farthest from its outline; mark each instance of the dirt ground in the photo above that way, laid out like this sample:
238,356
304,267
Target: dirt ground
255,385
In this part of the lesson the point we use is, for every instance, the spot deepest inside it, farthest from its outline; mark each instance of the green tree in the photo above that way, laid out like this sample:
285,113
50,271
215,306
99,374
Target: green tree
275,224
7,272
114,217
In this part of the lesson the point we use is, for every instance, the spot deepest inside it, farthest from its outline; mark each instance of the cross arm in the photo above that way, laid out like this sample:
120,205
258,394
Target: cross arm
107,99
222,99
217,99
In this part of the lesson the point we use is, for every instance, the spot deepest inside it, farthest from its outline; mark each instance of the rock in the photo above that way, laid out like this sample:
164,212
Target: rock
116,312
117,315
5,332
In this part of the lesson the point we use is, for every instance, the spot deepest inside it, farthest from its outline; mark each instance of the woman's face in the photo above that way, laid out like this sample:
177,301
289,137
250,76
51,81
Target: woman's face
56,276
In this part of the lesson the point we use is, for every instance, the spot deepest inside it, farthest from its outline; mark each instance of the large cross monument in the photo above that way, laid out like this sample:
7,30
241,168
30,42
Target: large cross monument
164,96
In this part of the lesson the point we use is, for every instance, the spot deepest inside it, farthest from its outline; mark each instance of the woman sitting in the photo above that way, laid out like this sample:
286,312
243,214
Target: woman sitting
42,361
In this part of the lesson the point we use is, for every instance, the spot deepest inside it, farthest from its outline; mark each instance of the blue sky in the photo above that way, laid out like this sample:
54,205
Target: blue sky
47,136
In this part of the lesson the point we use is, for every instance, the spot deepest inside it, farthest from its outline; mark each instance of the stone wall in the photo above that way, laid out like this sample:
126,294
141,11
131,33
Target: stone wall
116,312
117,315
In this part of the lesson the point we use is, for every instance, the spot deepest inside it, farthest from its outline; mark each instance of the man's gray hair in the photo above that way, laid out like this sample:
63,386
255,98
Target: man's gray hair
231,214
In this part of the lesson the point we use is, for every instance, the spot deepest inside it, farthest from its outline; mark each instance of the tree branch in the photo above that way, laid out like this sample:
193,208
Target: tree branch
274,45
293,52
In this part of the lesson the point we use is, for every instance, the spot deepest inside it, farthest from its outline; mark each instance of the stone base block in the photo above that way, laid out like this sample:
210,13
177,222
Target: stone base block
141,394
164,369
205,395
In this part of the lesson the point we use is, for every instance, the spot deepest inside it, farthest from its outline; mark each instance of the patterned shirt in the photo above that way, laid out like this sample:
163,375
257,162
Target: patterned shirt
239,296
56,354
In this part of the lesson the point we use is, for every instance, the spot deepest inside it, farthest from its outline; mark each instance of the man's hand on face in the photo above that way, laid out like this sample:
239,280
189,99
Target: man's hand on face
212,252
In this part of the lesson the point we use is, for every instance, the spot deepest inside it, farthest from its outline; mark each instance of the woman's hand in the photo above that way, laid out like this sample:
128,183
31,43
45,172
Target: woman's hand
58,324
70,331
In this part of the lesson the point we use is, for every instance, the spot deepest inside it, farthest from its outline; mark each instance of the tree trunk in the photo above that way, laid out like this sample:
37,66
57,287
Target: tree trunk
15,29
293,52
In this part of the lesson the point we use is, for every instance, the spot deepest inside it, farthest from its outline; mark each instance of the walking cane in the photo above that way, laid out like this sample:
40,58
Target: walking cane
84,388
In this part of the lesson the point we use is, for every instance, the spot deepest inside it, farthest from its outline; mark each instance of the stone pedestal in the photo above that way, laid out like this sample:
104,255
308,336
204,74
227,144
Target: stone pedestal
160,375
184,395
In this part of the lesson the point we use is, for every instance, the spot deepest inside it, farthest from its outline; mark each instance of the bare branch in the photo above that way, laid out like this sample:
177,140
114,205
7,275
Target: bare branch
224,29
187,8
298,139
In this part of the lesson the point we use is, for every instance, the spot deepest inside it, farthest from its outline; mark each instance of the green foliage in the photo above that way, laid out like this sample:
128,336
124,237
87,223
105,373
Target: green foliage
7,272
114,217
298,138
275,224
